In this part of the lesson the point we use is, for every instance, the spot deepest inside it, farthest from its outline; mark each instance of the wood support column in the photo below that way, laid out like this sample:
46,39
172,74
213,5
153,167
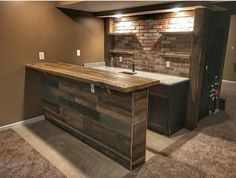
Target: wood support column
108,40
197,66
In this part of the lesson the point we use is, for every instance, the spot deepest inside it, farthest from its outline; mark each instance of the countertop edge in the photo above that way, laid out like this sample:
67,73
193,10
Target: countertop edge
95,82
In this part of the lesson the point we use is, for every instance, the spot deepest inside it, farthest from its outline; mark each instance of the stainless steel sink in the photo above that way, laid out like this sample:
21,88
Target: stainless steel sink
127,72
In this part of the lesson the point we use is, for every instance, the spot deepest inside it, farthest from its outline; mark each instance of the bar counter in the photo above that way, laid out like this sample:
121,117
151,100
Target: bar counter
104,109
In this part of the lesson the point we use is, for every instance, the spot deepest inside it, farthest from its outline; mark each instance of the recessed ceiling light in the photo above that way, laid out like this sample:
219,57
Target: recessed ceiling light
177,9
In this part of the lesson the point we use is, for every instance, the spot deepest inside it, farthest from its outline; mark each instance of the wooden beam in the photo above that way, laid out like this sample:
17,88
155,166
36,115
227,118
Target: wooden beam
230,6
108,39
197,66
75,13
224,23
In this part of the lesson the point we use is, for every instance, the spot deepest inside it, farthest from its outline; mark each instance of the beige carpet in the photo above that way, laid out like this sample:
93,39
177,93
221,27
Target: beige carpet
212,149
208,151
19,159
165,167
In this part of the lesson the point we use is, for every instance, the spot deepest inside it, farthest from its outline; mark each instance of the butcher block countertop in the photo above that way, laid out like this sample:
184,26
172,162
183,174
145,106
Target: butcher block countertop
108,79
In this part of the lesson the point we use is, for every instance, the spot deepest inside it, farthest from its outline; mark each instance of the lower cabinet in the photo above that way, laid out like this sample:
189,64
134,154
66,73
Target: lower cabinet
167,108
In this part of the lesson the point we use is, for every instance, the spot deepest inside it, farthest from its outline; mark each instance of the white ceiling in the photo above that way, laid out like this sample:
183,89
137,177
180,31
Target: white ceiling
99,6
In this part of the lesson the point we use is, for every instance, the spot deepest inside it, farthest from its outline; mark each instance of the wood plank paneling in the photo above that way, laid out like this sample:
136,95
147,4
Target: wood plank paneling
114,123
90,141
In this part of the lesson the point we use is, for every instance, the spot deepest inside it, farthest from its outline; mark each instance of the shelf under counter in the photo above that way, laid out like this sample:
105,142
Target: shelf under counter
118,51
178,55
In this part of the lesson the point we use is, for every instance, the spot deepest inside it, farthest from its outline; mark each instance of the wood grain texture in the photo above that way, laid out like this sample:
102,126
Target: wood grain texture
110,80
197,66
112,122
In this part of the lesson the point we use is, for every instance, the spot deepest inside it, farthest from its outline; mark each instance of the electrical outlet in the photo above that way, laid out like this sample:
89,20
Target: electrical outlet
167,63
41,56
120,59
78,52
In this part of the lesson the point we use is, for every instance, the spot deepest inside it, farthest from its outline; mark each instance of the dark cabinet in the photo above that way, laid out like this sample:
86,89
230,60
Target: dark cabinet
167,108
158,107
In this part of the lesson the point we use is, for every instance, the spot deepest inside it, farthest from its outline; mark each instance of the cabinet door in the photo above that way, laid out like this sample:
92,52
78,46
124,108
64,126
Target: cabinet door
158,113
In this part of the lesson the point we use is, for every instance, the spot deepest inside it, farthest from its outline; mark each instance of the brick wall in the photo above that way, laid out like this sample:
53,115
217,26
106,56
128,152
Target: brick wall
155,39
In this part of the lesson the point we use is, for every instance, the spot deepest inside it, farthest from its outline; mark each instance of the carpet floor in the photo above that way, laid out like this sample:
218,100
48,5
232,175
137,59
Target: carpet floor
208,151
19,159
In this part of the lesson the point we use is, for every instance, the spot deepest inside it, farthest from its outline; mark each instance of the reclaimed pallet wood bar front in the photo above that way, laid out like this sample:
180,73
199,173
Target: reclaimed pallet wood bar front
109,119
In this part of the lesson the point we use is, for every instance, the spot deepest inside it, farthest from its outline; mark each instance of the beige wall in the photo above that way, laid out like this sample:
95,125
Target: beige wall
27,28
230,59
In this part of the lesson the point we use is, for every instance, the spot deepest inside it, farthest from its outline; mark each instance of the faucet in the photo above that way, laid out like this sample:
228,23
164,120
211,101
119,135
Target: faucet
133,67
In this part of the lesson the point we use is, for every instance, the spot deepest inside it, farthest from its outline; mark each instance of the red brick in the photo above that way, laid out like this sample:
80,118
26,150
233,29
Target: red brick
149,43
140,27
143,31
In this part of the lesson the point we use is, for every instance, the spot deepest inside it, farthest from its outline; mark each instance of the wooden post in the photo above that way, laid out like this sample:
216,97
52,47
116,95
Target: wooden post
108,39
197,66
225,25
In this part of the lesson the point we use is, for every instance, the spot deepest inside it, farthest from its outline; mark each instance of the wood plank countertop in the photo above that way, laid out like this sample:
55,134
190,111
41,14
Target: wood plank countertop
107,79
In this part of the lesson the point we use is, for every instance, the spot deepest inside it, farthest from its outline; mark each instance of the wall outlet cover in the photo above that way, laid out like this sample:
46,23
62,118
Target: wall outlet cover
120,59
167,63
78,52
41,56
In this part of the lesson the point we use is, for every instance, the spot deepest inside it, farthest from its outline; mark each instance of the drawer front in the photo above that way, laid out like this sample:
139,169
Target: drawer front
160,90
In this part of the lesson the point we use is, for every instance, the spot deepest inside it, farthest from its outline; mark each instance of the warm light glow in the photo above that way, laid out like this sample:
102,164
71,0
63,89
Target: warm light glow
118,15
181,24
124,27
177,9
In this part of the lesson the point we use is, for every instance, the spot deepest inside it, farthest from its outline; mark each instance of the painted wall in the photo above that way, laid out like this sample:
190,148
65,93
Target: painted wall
230,58
27,28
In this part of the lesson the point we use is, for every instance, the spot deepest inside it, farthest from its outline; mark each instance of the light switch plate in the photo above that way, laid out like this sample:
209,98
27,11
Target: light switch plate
41,56
78,52
167,63
92,88
120,59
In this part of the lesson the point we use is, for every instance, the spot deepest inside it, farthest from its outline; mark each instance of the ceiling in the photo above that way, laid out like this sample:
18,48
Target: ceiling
109,8
100,6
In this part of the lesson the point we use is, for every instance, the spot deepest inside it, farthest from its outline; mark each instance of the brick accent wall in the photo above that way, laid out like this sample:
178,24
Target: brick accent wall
154,40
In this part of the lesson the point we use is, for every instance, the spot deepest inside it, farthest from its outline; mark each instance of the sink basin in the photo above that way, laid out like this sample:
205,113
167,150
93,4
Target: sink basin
127,72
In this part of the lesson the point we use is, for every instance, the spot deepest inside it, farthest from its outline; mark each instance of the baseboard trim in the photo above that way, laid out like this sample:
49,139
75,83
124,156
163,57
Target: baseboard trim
24,122
229,81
